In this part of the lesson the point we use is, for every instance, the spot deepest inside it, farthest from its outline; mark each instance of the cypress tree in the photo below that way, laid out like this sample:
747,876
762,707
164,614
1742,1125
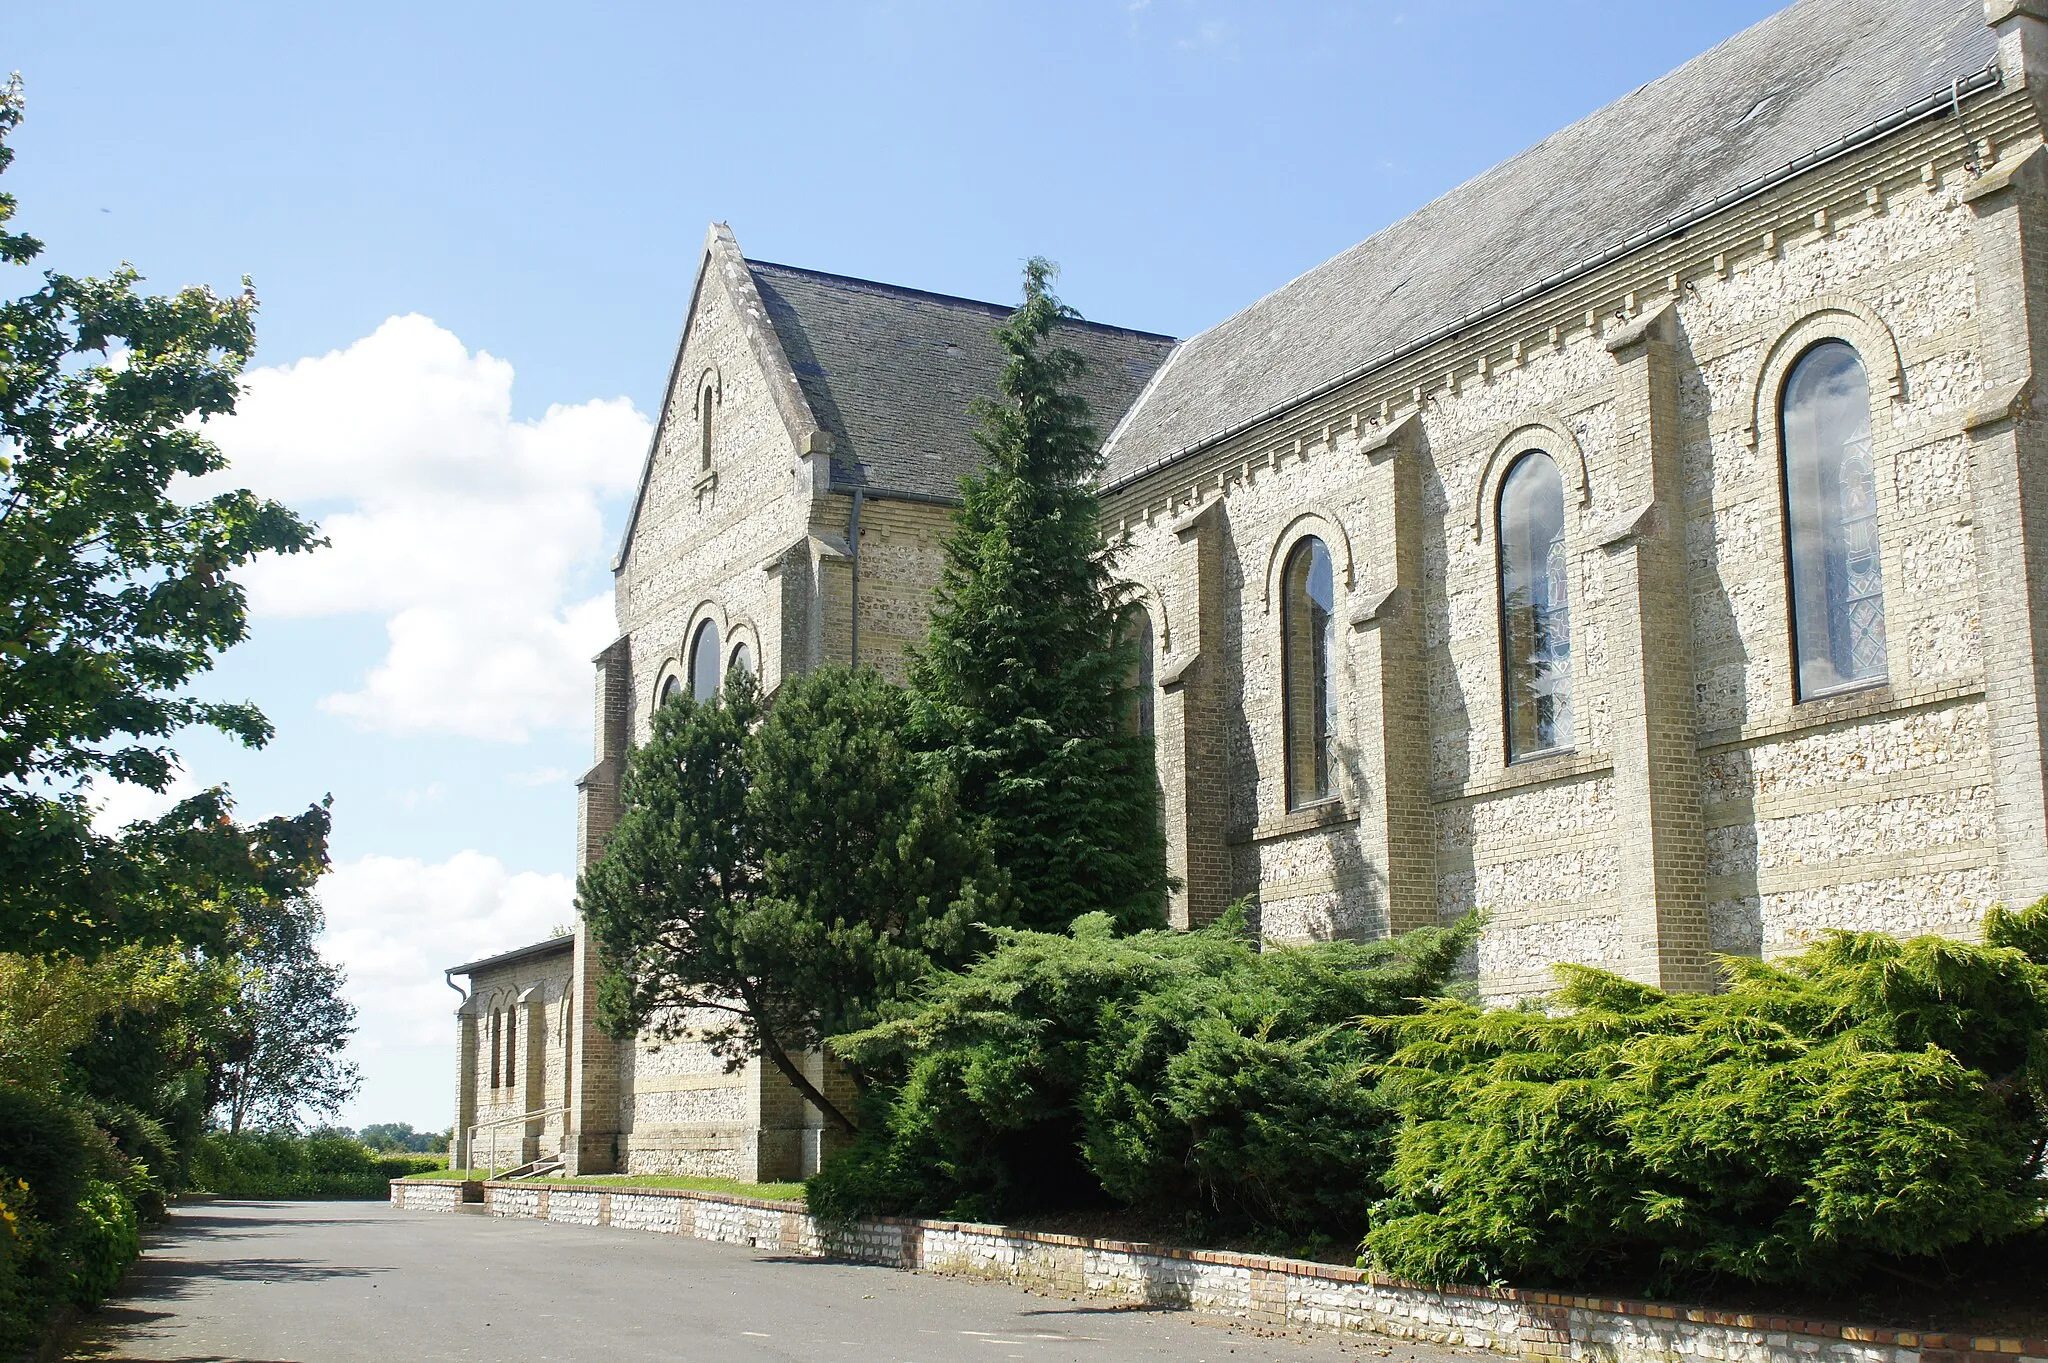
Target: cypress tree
1024,688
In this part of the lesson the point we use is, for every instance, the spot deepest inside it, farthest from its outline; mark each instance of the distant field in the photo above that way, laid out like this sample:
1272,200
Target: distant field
772,1192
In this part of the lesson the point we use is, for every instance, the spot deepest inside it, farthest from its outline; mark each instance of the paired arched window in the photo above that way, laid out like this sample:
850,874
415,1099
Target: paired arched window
742,659
1535,608
671,687
496,1032
1837,577
705,677
1308,661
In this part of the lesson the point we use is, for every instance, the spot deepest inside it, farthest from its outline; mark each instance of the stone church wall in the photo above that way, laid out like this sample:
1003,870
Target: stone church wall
1700,809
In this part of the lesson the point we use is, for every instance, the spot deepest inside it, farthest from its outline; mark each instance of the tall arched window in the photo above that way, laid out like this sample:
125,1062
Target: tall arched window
704,399
1308,660
705,678
1143,679
742,659
1837,584
1148,675
511,1047
1535,608
497,1071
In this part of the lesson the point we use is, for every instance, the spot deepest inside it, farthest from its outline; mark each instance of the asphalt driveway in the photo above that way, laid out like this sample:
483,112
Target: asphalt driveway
337,1282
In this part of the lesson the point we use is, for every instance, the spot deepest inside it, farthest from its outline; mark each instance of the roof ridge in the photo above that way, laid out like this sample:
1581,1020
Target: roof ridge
999,309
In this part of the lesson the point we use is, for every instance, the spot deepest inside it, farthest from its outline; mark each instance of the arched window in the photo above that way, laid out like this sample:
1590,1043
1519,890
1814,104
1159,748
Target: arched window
1143,678
704,400
671,687
1535,609
1308,659
742,659
511,1047
705,678
1837,584
497,1072
1148,675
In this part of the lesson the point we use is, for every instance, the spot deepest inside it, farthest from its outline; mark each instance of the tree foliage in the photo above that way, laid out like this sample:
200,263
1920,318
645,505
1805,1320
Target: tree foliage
1181,1072
114,595
1865,1099
784,874
279,1057
1022,688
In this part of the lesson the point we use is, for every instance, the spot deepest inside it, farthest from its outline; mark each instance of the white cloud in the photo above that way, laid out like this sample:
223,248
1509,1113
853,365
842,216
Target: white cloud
395,923
480,539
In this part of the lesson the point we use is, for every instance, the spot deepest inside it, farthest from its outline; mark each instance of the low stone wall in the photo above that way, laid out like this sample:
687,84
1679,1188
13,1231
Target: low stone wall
1285,1293
435,1195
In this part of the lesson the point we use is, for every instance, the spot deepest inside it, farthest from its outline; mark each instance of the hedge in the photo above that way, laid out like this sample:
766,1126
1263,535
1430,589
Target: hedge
276,1166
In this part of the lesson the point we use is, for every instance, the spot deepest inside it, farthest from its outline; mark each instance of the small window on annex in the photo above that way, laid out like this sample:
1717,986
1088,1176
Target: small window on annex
1837,580
1308,662
742,660
705,678
1535,609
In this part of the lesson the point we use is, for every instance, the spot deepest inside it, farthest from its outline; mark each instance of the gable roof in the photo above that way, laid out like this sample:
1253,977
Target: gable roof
1802,80
890,372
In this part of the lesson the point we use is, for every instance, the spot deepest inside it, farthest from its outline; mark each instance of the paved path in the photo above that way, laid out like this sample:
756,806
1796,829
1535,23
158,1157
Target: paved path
336,1282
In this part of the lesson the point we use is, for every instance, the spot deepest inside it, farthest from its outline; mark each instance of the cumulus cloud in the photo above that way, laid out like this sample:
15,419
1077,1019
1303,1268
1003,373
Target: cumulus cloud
481,540
395,923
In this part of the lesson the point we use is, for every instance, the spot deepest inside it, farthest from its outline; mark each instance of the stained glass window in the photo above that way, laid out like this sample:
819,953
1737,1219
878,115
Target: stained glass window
1837,584
1535,608
1308,628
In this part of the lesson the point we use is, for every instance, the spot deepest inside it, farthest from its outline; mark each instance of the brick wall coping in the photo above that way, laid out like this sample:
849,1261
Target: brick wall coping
1951,1347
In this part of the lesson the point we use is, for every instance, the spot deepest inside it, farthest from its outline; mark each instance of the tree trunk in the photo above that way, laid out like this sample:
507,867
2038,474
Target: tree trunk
772,1048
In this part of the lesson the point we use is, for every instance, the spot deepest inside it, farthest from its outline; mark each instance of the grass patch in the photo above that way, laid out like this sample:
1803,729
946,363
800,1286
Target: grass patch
770,1192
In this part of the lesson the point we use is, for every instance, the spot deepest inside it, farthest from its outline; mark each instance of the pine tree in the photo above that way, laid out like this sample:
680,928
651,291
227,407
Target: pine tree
1023,689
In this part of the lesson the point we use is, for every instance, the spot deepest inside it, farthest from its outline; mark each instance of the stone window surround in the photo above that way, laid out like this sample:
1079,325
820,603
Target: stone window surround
1319,521
1547,434
731,634
1828,318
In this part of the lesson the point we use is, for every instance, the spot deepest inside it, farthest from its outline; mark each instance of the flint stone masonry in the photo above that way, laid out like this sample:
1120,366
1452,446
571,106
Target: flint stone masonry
1628,298
1257,1289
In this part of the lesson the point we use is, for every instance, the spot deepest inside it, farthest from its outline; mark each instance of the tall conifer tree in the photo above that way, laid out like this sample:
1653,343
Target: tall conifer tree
1024,686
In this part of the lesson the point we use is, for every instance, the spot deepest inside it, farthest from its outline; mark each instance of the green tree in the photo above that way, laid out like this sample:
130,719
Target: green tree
114,595
787,875
1022,689
284,1030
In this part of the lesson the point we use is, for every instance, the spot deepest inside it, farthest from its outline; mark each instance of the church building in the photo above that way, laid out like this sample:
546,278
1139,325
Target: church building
1639,543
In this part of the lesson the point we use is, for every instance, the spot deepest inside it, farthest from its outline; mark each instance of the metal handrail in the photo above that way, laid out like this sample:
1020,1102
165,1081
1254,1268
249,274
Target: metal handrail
516,1119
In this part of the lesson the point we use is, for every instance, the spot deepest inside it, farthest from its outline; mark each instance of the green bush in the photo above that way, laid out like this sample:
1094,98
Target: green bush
68,1220
281,1166
1864,1100
104,1239
1186,1073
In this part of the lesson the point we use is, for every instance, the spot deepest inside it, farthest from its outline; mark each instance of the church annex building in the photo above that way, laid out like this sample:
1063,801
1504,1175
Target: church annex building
1646,542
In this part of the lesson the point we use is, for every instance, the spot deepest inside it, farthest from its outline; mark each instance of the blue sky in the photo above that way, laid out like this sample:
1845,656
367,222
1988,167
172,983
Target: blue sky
473,228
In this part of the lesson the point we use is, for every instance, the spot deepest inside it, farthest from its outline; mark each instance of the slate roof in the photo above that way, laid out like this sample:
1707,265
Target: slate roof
565,942
890,372
1798,81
